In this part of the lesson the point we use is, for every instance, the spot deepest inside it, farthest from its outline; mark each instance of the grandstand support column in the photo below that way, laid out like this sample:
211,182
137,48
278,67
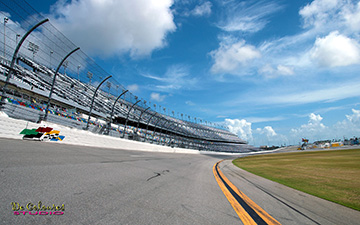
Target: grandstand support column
112,112
53,82
162,130
156,124
127,117
147,125
92,101
176,131
11,70
142,112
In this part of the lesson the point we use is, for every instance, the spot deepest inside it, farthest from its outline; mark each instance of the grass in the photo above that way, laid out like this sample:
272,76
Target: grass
332,175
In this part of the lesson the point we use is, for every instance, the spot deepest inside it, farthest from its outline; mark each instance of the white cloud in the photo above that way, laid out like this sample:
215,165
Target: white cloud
133,87
203,9
247,16
157,97
268,131
115,27
320,18
336,50
190,103
355,117
316,119
318,11
268,136
176,77
312,130
231,56
324,14
240,127
350,126
264,119
281,70
285,70
352,17
259,136
323,93
315,130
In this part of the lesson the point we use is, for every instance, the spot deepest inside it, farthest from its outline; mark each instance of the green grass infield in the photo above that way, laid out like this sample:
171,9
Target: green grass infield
333,175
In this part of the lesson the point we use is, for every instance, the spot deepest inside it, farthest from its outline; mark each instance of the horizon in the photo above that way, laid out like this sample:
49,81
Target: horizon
273,72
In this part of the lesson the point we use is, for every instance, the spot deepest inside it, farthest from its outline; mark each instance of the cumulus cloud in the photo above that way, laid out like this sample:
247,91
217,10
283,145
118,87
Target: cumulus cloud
336,50
318,11
313,129
322,14
115,27
231,56
240,127
157,97
268,131
324,21
352,17
259,136
268,136
315,119
355,117
350,126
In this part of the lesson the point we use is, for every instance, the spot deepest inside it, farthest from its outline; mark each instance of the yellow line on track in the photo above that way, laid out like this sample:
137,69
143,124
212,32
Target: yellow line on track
242,213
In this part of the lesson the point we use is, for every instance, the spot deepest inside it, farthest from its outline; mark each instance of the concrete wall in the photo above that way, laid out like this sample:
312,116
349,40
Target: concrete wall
10,128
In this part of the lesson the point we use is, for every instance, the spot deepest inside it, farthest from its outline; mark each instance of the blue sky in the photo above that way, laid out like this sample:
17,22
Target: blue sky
273,71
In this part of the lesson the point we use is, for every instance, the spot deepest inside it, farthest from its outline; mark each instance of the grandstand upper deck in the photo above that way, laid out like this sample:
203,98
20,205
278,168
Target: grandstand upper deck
74,94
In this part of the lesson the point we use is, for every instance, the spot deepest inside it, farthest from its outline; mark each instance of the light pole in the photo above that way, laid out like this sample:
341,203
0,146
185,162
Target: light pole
92,100
112,111
138,123
147,125
5,21
78,67
65,65
108,85
128,114
17,36
14,58
51,52
89,75
53,82
33,48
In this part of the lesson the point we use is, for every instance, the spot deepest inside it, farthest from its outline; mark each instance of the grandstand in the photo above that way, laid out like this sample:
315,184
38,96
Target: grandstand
30,81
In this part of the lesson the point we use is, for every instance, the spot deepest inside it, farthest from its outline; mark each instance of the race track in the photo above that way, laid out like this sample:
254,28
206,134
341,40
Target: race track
111,186
107,186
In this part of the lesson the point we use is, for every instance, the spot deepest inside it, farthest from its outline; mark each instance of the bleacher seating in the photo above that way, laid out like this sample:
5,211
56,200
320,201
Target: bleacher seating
70,93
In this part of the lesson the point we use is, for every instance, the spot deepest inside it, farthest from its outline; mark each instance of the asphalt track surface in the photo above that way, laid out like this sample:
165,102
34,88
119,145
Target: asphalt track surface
109,186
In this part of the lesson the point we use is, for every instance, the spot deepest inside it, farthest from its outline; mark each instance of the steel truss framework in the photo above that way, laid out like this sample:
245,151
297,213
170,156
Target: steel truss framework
75,94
